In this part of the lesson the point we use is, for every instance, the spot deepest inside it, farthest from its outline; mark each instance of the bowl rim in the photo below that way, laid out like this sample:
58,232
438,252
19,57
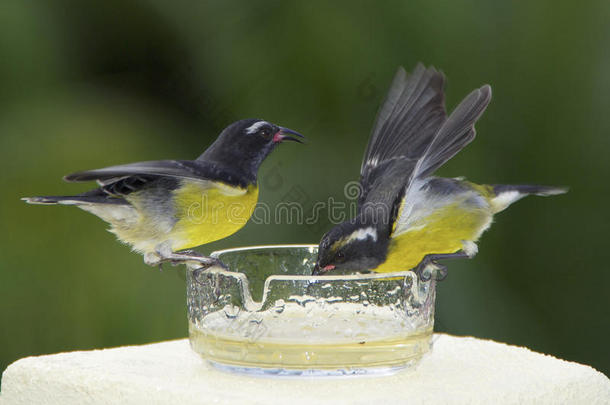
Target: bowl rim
371,276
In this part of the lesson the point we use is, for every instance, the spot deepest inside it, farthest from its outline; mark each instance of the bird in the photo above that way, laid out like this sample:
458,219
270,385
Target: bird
407,218
163,208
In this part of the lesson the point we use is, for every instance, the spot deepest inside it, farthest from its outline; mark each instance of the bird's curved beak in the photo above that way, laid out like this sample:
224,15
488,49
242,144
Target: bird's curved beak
281,136
317,270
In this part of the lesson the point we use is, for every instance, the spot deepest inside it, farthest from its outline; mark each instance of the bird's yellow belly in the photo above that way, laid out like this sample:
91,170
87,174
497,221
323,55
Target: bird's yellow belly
208,214
439,233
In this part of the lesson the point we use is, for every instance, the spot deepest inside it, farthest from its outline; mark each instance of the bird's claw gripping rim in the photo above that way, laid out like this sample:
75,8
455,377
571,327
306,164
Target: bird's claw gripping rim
197,264
194,261
429,267
440,270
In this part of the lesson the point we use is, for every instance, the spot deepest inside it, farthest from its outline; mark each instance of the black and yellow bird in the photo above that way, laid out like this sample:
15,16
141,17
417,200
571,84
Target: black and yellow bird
408,219
166,206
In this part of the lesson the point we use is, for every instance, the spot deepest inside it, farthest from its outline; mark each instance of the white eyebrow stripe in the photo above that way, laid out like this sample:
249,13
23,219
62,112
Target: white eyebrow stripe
364,233
255,127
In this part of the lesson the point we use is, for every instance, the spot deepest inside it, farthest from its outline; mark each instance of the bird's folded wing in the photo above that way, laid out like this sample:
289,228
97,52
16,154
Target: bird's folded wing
187,169
380,206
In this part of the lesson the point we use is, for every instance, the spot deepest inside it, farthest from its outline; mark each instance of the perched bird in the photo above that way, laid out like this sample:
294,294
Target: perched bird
161,207
406,218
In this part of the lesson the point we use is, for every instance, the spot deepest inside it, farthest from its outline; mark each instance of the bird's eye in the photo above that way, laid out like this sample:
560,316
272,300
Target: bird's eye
340,255
265,132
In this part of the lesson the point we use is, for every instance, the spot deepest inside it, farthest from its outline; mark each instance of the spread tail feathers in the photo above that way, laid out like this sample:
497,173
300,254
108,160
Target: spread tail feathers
506,194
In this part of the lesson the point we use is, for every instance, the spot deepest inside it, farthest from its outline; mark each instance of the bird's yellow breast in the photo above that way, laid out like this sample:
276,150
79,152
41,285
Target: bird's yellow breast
441,232
209,212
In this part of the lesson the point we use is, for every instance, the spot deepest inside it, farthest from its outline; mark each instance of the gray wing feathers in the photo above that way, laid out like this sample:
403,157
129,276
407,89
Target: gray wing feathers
185,169
412,136
410,116
171,168
383,116
414,110
457,132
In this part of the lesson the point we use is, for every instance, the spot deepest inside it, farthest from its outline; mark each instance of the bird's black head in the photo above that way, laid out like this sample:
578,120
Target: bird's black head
352,246
244,144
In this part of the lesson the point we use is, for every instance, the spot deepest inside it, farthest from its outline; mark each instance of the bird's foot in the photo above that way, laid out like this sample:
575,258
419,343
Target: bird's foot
192,259
424,272
428,267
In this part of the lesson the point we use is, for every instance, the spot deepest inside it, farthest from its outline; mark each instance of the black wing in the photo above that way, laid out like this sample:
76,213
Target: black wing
134,175
385,194
410,116
122,186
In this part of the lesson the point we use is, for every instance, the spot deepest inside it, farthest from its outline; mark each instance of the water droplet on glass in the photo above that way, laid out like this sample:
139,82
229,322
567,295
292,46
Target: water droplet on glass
279,307
231,311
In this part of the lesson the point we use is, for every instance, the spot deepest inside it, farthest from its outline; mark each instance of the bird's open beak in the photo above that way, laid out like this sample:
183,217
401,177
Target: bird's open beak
317,270
281,136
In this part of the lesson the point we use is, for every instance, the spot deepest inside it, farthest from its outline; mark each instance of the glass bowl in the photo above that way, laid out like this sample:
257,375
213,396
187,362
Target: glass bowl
268,315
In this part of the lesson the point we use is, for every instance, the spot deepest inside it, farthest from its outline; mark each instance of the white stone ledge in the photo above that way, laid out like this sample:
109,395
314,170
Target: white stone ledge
458,370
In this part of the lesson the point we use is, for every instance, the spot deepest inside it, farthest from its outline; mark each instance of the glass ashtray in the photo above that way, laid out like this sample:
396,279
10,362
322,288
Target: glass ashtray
268,315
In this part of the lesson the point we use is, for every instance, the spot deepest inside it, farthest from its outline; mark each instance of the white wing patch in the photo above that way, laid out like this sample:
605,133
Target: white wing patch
252,129
372,162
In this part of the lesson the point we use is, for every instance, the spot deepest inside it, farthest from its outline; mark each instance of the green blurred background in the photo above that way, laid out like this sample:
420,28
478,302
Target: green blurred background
90,84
